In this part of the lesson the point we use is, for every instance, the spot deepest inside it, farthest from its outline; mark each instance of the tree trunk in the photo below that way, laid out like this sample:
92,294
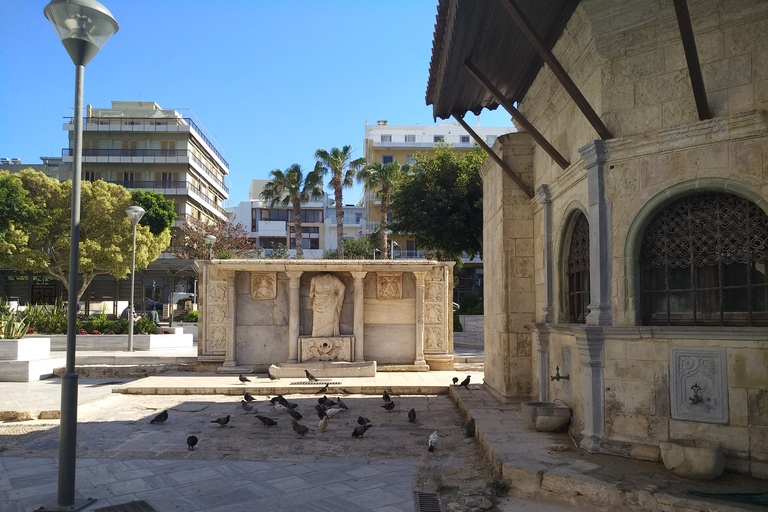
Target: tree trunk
339,218
297,226
384,224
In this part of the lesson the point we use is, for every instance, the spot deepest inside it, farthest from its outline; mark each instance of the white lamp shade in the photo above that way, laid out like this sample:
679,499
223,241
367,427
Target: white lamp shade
135,213
82,25
209,240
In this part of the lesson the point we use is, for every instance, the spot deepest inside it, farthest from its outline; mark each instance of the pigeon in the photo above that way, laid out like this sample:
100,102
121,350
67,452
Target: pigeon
278,398
267,422
310,376
160,418
191,442
246,406
244,379
362,421
386,397
465,383
323,423
362,429
221,421
432,441
333,411
296,415
412,415
280,407
321,413
341,404
248,397
345,391
389,406
322,390
455,380
320,408
300,429
327,402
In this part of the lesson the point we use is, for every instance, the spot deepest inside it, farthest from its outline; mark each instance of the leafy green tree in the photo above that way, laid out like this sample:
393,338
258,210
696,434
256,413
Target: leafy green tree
18,215
231,240
343,169
384,178
278,252
106,234
355,249
292,187
159,212
441,203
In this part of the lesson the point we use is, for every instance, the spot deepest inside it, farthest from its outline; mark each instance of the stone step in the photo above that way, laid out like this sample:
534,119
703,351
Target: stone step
28,371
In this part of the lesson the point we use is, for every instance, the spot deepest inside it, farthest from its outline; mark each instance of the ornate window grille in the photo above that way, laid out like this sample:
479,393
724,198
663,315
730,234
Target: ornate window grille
703,261
578,272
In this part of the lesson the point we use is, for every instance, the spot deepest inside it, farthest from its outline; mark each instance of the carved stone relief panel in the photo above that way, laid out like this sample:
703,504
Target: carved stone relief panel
434,337
216,313
434,291
698,384
389,285
434,313
436,274
326,349
263,285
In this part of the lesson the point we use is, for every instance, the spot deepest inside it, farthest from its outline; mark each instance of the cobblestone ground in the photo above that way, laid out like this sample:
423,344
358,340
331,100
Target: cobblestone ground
118,427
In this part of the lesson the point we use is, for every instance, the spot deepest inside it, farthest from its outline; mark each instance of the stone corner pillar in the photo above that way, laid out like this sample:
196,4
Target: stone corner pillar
359,324
591,344
595,155
545,199
230,360
294,306
420,297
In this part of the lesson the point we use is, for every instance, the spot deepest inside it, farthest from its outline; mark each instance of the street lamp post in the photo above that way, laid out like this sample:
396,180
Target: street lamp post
374,253
135,213
83,26
392,246
209,241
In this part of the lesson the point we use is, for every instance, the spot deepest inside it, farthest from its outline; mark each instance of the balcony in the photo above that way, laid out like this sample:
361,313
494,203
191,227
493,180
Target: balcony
146,156
172,188
143,124
272,228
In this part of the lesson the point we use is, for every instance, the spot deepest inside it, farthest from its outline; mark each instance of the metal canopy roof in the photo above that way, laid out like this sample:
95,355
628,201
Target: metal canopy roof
483,32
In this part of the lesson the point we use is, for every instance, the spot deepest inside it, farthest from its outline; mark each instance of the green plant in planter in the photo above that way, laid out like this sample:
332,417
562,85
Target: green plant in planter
191,317
13,327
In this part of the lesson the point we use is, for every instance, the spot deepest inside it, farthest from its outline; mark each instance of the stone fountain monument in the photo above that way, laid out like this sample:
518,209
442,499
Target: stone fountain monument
333,317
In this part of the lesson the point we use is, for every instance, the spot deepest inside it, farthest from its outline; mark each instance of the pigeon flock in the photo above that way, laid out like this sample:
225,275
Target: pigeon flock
326,409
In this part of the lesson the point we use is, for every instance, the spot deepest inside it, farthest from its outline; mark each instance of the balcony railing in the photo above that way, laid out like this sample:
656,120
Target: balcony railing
169,184
131,123
159,154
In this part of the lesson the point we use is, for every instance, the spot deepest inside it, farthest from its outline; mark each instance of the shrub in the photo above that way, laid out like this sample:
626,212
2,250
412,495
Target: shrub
467,302
457,327
477,309
469,428
190,317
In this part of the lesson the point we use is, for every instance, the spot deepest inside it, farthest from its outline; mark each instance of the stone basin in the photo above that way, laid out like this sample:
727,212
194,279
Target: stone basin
691,458
546,416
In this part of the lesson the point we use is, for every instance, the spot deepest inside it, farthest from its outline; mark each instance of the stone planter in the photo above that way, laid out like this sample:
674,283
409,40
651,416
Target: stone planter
27,359
694,459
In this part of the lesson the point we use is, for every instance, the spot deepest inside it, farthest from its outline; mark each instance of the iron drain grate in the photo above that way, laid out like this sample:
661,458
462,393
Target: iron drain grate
427,502
133,506
319,382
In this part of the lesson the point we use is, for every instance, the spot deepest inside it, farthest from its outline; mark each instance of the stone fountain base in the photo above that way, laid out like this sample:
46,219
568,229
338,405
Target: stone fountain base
323,369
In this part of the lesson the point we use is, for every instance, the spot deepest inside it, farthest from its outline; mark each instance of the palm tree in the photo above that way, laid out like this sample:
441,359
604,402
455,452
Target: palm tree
291,187
339,163
385,178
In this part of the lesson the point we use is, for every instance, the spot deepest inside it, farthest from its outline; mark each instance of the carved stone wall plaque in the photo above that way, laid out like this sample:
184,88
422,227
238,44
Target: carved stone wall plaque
434,313
434,291
389,285
698,384
263,285
327,349
434,337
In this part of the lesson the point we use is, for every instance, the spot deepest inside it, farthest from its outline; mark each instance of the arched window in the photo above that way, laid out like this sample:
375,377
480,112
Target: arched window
578,272
703,261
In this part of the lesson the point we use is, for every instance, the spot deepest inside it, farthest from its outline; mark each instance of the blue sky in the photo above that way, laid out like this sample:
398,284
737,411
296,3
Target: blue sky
272,81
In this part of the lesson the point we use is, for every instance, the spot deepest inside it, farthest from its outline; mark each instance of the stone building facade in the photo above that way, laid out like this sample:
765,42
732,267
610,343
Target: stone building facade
637,267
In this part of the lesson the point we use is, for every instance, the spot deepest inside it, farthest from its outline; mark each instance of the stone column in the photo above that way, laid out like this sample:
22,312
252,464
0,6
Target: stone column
359,325
420,293
545,199
591,342
595,155
230,360
541,334
294,306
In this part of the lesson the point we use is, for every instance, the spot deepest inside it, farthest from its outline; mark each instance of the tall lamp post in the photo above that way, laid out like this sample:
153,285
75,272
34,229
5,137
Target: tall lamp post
83,27
392,245
209,241
135,213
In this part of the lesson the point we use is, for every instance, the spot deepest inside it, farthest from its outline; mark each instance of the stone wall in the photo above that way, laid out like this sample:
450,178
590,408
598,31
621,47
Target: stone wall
252,312
627,60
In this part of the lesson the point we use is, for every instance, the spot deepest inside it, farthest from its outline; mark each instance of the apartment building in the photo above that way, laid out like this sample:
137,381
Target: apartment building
386,143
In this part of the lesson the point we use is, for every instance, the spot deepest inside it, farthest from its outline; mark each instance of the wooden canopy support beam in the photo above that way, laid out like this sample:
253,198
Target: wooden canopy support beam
692,59
557,69
512,174
509,107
